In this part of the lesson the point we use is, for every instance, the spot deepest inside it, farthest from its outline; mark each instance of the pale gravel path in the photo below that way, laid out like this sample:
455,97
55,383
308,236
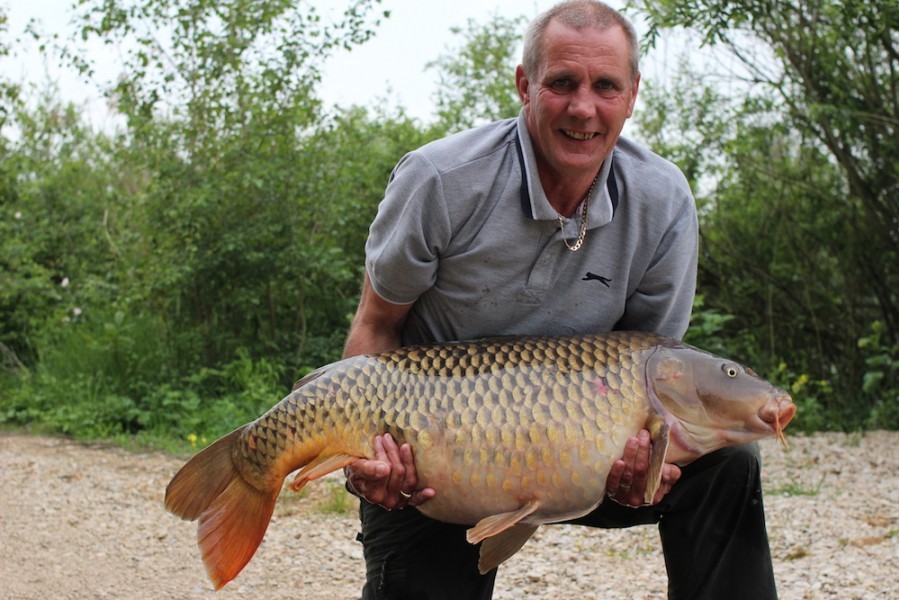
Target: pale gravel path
87,522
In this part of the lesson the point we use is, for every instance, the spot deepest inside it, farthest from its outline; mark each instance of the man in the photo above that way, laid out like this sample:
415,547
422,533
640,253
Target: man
547,224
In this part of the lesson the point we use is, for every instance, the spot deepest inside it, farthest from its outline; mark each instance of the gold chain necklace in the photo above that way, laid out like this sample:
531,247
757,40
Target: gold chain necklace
582,230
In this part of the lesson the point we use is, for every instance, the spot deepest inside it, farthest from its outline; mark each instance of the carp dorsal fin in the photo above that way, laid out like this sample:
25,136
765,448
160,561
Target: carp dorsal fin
495,550
309,378
658,432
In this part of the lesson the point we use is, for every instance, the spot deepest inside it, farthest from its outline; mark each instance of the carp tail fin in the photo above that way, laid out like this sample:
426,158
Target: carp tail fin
232,528
233,514
205,476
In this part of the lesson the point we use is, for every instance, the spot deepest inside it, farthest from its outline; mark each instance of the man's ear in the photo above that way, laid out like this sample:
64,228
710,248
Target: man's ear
522,84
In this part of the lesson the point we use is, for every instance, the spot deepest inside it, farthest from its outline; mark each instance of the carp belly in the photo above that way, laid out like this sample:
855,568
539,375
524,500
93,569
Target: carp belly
561,466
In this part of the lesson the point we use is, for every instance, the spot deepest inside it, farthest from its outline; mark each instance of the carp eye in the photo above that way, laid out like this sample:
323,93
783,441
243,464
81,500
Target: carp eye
730,370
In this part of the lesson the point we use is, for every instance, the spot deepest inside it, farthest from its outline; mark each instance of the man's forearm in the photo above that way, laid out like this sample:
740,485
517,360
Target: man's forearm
363,339
377,325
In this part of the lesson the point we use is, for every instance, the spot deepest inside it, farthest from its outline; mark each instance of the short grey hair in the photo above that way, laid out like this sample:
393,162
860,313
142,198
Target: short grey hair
578,14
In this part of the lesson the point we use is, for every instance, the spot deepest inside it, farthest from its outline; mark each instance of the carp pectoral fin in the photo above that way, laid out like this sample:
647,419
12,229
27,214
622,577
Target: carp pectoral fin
319,467
658,431
496,524
495,550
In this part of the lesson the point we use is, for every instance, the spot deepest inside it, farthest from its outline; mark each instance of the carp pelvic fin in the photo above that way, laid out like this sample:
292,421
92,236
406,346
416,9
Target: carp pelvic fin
496,524
495,550
233,515
658,431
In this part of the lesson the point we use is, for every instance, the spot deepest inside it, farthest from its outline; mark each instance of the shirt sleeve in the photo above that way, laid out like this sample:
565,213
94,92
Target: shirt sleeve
663,300
409,232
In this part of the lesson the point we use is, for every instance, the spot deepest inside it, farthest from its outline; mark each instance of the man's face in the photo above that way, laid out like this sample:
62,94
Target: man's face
579,99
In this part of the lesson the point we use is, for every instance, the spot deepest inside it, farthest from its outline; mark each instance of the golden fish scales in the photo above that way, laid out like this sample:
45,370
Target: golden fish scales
487,429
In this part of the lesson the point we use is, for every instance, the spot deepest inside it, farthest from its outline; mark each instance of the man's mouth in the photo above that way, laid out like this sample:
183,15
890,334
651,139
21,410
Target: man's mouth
577,135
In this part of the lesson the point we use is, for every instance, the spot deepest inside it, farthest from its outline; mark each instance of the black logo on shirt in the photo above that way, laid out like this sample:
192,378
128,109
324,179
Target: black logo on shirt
593,277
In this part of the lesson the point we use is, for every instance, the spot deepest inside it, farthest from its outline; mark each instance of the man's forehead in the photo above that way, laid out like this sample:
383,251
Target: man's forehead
567,48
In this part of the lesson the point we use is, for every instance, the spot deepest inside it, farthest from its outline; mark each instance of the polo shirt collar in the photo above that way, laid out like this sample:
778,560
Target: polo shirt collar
534,202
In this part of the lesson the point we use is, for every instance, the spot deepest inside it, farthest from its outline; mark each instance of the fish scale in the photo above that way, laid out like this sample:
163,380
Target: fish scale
509,432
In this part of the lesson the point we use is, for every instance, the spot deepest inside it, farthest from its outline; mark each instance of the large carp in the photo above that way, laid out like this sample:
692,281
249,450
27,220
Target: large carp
510,432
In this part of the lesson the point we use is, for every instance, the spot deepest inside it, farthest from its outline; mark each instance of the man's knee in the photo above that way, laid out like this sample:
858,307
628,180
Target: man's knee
734,472
744,458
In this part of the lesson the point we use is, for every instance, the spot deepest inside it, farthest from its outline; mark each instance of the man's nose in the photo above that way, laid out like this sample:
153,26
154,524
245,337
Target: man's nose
581,105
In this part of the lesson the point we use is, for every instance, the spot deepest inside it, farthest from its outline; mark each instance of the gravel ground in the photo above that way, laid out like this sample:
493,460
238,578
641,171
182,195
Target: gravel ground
87,522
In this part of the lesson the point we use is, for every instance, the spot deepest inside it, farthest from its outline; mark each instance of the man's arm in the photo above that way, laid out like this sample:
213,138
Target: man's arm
389,479
377,325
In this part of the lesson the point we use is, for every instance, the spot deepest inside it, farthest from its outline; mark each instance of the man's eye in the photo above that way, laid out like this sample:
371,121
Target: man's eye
562,83
605,85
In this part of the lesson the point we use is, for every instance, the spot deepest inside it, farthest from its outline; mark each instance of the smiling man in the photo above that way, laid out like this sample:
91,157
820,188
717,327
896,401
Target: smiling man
547,224
577,94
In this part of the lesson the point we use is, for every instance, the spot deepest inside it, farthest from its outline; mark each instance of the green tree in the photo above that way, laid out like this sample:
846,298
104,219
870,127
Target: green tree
211,65
53,249
212,247
834,68
477,80
219,98
797,170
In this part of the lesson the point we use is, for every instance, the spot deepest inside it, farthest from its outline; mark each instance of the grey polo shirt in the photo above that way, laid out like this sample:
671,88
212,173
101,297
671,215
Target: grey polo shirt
466,233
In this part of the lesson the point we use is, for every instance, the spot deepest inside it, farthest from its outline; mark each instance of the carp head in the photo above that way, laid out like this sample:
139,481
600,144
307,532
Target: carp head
708,402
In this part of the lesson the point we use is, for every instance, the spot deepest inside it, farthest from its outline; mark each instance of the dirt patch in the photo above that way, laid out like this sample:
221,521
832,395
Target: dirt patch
83,521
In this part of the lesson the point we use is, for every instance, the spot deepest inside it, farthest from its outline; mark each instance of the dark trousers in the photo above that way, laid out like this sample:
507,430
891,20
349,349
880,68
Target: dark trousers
712,526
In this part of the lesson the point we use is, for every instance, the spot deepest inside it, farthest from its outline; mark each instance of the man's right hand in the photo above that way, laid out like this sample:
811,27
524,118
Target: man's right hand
389,479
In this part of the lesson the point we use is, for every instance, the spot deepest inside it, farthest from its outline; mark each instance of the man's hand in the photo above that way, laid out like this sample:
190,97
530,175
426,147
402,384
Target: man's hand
389,479
626,483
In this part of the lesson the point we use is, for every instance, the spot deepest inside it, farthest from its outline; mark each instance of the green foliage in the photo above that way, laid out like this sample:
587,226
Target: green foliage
212,66
477,80
183,273
707,326
171,280
88,405
338,501
54,252
833,81
686,122
881,377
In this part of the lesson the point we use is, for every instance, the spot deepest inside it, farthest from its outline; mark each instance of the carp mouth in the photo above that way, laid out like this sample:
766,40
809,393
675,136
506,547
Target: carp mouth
776,414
